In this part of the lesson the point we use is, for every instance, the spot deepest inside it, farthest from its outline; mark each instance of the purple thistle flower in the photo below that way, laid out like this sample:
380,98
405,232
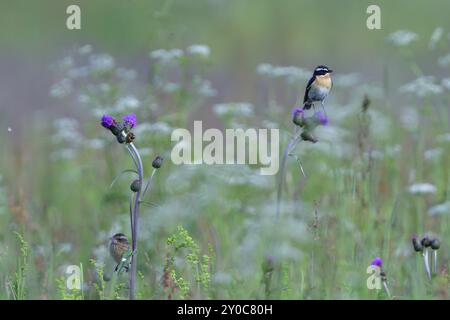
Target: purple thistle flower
108,121
321,117
377,262
297,116
296,110
130,120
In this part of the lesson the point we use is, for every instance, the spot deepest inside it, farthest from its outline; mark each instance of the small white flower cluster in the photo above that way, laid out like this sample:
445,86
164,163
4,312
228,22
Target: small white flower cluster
422,188
445,83
432,154
169,56
242,109
61,89
443,137
200,50
440,209
346,80
101,62
127,103
436,36
444,61
402,37
409,119
422,86
166,56
156,128
290,73
205,88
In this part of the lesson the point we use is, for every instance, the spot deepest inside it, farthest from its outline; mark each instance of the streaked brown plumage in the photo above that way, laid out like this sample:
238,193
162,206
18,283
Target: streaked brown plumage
118,246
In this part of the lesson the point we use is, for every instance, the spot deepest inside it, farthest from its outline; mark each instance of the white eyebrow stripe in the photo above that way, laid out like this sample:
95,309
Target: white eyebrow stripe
321,69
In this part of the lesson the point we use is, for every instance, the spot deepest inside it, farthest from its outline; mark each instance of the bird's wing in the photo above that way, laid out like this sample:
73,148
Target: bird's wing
308,86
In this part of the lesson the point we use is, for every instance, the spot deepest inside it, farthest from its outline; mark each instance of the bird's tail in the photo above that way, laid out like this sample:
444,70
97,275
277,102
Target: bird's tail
307,105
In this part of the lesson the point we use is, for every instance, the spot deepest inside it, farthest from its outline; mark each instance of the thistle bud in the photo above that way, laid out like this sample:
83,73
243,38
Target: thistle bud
416,244
365,103
426,242
121,138
157,163
435,244
268,264
135,186
298,117
307,136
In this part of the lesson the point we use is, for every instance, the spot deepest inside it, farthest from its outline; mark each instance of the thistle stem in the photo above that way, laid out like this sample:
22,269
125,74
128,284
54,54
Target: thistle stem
386,289
427,264
150,179
135,219
287,151
435,261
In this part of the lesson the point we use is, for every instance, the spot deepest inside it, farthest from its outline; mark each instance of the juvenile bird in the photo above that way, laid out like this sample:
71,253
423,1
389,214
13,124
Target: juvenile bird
118,246
318,87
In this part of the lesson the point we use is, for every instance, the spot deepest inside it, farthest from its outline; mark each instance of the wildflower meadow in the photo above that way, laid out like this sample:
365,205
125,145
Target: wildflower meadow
162,151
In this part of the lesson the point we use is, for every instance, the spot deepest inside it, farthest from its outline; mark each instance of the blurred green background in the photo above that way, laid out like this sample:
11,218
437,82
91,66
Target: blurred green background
359,198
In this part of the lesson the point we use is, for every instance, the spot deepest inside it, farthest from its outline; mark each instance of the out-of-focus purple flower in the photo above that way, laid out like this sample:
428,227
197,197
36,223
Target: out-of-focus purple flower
130,120
321,117
377,262
108,121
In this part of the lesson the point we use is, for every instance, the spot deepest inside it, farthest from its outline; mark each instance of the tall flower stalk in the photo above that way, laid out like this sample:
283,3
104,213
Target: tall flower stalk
123,133
303,131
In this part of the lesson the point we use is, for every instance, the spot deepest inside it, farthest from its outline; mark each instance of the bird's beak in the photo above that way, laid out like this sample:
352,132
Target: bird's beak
330,71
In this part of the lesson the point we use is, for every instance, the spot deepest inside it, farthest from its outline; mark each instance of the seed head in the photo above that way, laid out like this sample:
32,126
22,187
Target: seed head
135,186
157,162
298,116
416,244
435,244
426,242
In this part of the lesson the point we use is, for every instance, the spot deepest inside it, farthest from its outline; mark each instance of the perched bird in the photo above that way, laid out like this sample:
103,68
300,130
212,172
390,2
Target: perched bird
318,87
118,246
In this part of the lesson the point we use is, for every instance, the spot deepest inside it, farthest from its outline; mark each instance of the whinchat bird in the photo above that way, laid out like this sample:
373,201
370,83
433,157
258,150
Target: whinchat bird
118,246
318,87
